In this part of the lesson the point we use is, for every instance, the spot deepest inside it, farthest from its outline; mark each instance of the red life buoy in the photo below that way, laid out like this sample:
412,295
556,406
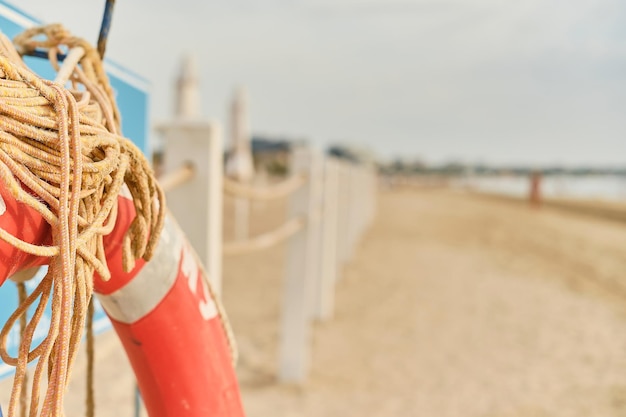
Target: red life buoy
162,311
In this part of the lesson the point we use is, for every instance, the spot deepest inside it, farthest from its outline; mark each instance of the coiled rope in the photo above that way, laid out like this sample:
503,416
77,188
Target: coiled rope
61,154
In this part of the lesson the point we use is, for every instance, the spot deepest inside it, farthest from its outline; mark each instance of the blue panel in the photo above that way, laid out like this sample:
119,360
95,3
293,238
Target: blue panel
9,28
133,105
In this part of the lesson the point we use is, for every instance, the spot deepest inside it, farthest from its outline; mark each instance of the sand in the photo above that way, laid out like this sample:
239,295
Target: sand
453,305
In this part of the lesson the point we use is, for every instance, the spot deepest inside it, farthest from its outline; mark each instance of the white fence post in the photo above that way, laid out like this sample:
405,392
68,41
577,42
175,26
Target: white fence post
351,209
325,294
343,211
316,221
355,208
372,189
363,199
295,342
215,214
197,204
357,196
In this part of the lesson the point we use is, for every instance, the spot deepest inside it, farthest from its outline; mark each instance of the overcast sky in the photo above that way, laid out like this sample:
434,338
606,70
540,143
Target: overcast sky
532,81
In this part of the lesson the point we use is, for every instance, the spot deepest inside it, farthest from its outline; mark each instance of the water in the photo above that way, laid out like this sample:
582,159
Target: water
601,187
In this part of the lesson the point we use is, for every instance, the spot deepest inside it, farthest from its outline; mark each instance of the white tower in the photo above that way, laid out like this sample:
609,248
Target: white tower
187,92
239,164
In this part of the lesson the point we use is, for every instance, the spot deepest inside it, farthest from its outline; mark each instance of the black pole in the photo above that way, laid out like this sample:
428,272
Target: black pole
105,26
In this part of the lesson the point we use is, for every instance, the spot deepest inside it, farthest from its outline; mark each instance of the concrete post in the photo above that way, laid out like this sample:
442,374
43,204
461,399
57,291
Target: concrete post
197,204
325,299
295,339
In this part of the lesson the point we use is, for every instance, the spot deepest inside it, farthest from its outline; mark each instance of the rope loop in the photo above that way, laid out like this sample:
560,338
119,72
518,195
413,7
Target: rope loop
264,193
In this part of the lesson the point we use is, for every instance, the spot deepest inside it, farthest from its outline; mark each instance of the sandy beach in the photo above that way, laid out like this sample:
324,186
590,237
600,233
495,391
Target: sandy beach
453,305
457,305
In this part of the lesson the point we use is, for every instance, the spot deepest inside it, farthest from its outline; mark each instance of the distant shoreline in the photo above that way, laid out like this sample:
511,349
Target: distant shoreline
609,210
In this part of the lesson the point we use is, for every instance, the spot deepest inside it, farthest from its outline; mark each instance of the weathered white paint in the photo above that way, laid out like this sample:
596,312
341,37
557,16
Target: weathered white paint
193,273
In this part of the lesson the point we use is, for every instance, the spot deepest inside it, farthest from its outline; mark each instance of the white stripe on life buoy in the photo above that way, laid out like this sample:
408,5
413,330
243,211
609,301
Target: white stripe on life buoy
144,293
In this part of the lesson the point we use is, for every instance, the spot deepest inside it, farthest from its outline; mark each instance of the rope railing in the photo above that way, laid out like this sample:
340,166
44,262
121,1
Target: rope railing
266,240
270,192
330,203
177,177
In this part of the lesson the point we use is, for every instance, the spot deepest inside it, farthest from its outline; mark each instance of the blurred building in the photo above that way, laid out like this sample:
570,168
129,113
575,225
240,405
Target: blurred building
271,155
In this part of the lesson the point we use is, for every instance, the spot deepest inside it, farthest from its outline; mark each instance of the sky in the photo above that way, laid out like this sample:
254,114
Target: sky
479,81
